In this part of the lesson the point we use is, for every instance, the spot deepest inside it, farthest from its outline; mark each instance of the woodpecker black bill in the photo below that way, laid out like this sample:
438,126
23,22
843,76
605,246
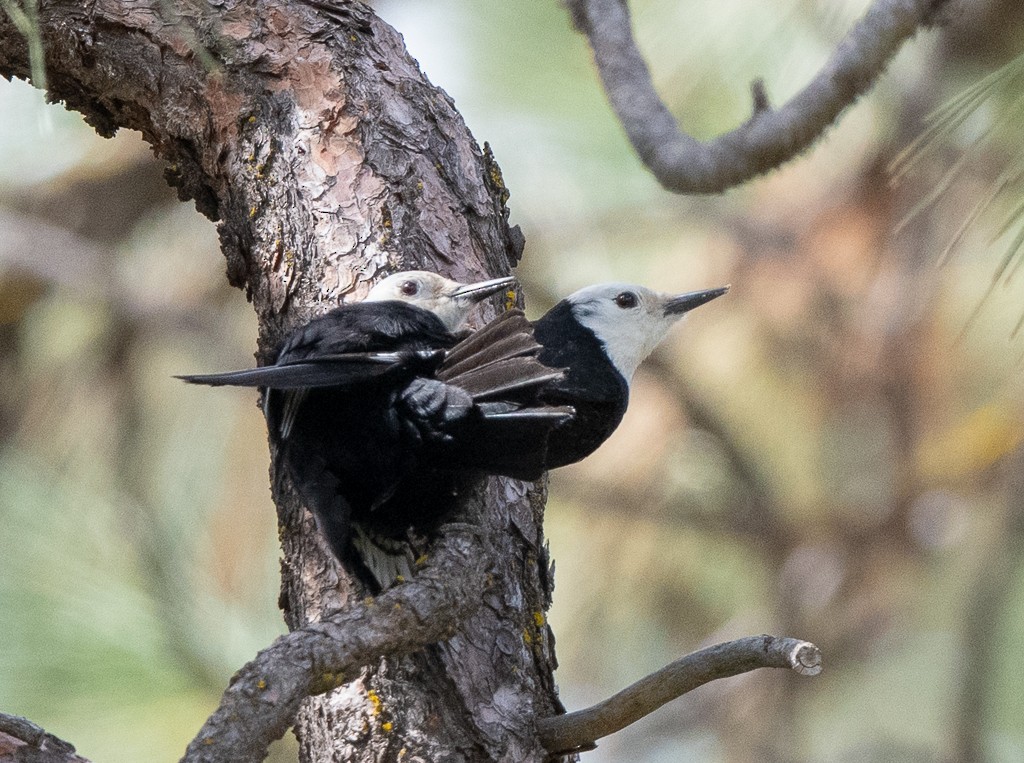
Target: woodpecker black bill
600,335
383,416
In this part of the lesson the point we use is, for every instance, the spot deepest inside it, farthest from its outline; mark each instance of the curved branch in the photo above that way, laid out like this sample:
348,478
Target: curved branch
683,164
580,730
264,695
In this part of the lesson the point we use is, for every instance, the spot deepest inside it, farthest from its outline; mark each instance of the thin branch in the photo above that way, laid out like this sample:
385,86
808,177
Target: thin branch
580,730
19,735
260,704
682,163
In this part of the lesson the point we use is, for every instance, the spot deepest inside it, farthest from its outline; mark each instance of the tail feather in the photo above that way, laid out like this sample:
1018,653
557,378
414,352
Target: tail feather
498,367
499,359
292,401
492,342
382,561
505,377
544,414
516,346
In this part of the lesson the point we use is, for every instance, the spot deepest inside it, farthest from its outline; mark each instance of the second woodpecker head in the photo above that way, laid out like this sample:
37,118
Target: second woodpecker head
631,320
449,300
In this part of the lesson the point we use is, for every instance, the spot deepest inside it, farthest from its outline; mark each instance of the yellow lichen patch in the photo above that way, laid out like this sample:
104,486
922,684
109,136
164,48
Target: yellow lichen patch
510,299
398,605
208,740
375,701
399,578
538,618
368,601
496,177
326,682
261,684
252,212
494,173
421,560
387,725
527,636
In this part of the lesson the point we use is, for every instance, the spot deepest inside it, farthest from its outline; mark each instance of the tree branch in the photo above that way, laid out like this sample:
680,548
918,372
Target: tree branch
263,697
683,164
23,740
580,730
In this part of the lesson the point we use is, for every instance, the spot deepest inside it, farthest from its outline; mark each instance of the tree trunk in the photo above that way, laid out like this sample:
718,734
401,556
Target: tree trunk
311,136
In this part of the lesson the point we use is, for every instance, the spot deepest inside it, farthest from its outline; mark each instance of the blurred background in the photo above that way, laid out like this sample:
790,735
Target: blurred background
832,452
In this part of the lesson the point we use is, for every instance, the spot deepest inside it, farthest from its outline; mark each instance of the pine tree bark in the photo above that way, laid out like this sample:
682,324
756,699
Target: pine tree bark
327,159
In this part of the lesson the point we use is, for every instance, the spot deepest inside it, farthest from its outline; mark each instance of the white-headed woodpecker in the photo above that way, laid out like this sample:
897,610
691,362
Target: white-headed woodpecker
600,335
382,415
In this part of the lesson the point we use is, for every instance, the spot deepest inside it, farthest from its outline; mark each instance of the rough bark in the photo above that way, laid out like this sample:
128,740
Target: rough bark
327,158
22,741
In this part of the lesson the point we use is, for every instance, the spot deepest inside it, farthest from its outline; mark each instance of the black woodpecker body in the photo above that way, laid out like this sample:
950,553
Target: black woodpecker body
600,335
383,415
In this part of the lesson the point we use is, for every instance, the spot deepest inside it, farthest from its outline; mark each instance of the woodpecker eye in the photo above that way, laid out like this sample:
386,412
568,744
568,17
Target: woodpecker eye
409,288
626,300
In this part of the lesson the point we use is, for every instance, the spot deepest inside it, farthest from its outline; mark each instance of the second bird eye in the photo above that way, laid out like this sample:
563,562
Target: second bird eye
626,300
409,288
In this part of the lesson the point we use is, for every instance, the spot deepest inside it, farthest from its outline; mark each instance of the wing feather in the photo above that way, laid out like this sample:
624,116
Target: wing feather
324,371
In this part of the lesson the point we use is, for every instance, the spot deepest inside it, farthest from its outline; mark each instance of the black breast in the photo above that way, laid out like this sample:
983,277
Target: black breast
592,385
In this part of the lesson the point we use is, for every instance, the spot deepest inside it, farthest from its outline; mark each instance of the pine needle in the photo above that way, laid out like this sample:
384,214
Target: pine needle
944,120
1001,182
26,20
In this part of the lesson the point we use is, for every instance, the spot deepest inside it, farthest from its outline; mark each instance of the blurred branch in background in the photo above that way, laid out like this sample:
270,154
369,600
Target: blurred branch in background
683,164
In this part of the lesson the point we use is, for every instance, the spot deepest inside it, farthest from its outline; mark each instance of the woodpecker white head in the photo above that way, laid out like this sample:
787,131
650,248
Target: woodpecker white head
631,320
449,300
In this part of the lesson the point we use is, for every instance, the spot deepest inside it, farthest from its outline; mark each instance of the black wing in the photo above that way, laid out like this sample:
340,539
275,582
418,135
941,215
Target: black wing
508,428
350,344
388,326
325,371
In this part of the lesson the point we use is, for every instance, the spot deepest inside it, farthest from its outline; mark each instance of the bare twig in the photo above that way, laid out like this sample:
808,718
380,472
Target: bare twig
580,730
682,163
264,696
19,735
